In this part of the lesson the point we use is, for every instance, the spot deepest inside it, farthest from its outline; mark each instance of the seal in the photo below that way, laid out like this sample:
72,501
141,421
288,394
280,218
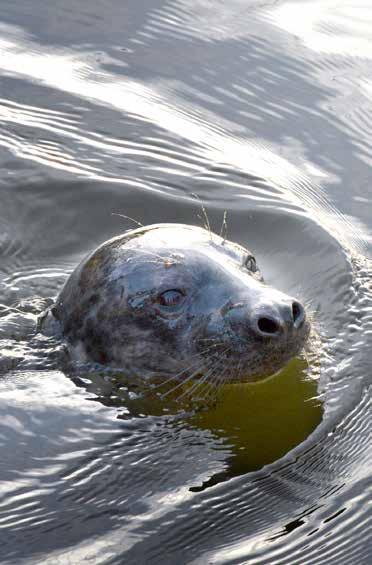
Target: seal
178,300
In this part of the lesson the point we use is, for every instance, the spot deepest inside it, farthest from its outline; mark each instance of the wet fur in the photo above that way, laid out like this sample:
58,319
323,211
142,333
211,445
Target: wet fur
107,319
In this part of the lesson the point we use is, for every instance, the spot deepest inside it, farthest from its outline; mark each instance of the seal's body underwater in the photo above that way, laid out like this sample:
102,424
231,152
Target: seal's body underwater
177,300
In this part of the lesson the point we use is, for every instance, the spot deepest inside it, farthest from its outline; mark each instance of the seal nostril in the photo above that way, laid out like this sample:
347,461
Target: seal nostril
268,325
298,312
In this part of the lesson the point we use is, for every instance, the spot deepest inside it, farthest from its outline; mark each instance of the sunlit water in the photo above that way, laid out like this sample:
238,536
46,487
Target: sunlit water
263,109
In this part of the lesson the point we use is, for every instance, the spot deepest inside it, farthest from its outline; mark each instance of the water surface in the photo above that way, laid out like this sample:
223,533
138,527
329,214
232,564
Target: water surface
263,109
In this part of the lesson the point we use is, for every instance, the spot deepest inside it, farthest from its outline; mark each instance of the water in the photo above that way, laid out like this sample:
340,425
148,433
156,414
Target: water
264,110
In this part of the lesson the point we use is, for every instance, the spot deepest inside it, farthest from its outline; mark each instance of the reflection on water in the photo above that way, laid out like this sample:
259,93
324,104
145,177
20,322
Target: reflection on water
258,423
261,422
343,31
115,107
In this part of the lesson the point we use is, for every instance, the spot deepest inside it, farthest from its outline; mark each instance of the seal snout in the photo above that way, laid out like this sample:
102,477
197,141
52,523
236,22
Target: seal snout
273,321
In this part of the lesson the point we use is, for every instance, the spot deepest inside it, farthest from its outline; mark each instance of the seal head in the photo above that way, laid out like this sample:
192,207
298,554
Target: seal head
177,300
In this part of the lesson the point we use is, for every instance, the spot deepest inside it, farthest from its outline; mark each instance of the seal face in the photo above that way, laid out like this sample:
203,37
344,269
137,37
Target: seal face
177,300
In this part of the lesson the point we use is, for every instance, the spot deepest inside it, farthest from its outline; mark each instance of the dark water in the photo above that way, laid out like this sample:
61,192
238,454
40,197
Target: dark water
263,109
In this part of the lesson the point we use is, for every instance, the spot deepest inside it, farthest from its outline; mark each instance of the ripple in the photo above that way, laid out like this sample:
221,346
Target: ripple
329,26
69,71
200,21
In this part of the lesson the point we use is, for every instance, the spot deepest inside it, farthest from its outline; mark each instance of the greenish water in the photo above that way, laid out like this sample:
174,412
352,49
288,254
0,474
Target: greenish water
261,422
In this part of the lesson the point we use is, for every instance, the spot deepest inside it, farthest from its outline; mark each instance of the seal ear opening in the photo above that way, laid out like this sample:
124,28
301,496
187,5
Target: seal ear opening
48,323
54,311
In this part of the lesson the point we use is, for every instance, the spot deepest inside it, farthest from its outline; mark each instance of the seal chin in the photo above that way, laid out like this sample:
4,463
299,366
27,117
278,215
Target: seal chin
247,364
266,363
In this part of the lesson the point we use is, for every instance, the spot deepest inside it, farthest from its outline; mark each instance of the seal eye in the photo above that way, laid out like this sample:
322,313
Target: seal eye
171,298
250,263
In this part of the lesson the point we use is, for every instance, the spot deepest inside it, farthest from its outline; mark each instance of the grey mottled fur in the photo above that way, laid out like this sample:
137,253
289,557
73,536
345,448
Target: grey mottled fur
109,310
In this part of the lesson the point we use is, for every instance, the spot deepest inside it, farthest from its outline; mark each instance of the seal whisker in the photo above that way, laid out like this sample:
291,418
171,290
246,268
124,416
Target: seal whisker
203,351
177,375
173,377
215,384
223,231
213,345
211,385
304,353
214,339
203,379
220,379
207,376
189,391
128,218
182,383
239,368
205,215
160,257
